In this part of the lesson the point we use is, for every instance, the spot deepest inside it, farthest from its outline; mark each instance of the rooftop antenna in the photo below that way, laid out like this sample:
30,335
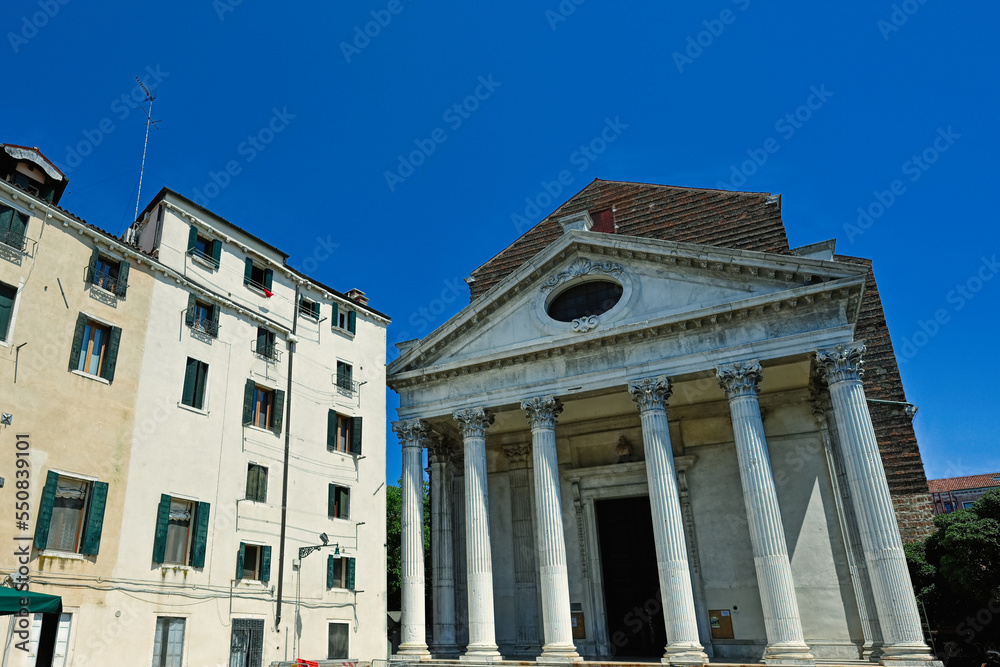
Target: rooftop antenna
149,121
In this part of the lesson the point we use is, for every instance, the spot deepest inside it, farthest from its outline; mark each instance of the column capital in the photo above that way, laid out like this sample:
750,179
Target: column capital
739,379
519,456
411,432
473,422
841,363
439,449
651,393
542,411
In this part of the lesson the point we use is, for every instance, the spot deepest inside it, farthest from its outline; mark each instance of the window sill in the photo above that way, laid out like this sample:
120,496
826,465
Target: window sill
261,430
343,332
207,263
177,567
351,455
90,377
195,410
64,555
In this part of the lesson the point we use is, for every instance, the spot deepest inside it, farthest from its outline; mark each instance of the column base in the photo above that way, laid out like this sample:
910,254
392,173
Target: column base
412,652
688,655
445,651
914,654
789,654
559,654
872,652
481,654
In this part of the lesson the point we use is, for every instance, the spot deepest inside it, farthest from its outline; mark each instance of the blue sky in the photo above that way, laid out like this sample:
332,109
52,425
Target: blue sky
887,107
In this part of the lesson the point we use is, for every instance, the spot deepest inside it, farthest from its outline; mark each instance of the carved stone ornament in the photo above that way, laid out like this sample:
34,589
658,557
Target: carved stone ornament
439,449
740,379
584,324
651,393
581,267
473,422
841,363
624,451
411,432
542,411
519,456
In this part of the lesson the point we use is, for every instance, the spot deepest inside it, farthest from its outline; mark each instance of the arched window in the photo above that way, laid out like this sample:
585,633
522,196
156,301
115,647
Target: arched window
594,297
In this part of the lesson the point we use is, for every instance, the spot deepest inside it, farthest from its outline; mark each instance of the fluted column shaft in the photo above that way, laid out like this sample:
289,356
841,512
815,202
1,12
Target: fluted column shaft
442,553
482,647
550,539
413,635
525,571
683,645
785,641
880,539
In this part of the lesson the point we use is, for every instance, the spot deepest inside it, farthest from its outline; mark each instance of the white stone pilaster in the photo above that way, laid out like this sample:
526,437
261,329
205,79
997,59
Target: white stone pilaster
785,642
683,645
883,547
482,647
550,538
442,552
413,634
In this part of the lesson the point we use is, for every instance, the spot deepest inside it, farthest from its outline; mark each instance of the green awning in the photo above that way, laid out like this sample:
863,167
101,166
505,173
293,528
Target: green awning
37,603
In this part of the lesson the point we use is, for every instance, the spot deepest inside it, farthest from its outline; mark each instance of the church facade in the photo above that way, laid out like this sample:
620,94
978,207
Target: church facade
649,439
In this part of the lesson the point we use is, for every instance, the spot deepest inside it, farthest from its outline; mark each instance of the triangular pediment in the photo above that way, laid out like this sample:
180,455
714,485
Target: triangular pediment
666,286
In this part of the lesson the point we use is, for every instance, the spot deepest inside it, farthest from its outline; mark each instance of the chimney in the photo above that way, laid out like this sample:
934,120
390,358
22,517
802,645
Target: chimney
358,296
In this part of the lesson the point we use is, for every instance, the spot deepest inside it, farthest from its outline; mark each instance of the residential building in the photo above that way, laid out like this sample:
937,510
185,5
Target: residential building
959,493
649,439
207,475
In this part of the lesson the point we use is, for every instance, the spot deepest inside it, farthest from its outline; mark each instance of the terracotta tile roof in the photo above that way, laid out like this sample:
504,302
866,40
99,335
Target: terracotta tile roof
967,482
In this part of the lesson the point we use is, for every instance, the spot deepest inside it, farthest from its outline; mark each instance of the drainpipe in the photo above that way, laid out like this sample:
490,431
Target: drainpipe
284,464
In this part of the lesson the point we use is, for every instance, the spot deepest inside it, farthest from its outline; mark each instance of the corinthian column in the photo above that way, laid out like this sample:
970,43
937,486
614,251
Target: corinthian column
525,572
785,642
883,547
473,423
442,554
683,646
550,540
413,643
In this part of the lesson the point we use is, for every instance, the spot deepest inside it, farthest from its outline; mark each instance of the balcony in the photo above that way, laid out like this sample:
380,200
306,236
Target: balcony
266,350
202,325
346,386
14,239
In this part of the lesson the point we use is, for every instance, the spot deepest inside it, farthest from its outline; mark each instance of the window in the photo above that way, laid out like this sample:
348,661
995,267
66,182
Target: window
338,645
340,572
195,381
309,308
587,299
13,225
967,505
202,316
343,434
108,273
257,277
346,320
256,483
95,348
8,293
345,378
62,639
71,514
168,643
339,502
263,407
264,345
204,248
947,507
253,562
247,643
181,532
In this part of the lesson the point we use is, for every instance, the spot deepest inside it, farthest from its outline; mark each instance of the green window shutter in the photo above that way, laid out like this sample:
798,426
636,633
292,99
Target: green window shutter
329,571
121,286
316,309
217,252
190,380
92,267
356,435
268,278
336,315
345,503
192,238
247,271
6,217
74,354
248,401
160,536
265,565
44,518
350,574
95,519
200,541
251,484
189,314
352,320
215,319
7,296
279,410
240,555
331,500
331,431
111,356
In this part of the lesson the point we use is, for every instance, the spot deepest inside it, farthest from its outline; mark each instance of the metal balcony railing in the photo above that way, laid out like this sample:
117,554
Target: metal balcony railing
14,239
205,326
265,350
346,386
105,281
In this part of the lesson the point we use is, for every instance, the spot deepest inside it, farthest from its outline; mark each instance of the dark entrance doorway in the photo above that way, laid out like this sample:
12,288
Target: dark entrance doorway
631,582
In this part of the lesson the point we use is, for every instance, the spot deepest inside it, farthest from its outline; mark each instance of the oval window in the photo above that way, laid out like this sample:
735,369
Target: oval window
584,300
